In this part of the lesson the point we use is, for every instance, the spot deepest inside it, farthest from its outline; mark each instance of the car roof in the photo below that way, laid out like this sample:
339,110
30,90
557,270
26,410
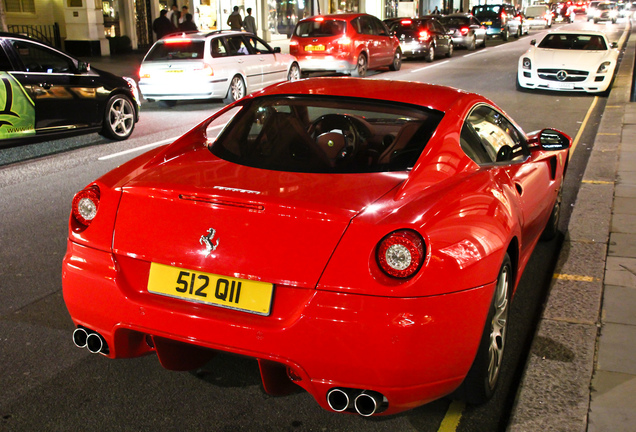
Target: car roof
433,96
202,35
580,32
343,16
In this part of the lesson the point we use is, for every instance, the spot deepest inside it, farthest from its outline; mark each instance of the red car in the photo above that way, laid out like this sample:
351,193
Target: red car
349,43
364,249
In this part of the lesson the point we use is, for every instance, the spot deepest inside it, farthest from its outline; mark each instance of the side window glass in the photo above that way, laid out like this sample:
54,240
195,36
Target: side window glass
218,48
36,58
471,145
236,46
258,46
500,139
5,64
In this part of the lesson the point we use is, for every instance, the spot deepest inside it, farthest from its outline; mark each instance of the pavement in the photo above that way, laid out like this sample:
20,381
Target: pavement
581,370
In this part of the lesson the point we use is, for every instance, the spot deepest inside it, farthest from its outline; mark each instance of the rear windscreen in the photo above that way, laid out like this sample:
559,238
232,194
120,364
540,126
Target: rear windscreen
454,21
188,50
486,10
323,28
326,135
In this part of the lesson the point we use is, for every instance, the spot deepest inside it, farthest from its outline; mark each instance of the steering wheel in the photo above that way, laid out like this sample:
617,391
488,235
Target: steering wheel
336,134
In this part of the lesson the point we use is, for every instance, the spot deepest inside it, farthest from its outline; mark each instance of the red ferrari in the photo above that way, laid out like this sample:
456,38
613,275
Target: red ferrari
364,249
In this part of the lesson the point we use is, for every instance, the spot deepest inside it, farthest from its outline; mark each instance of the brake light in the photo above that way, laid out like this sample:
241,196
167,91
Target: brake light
293,42
464,30
319,19
344,41
143,74
406,22
180,40
401,253
206,70
85,205
423,35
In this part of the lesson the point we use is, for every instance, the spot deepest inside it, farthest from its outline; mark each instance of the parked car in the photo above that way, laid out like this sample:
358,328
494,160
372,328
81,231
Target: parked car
422,37
350,43
467,30
501,20
362,239
538,16
606,11
216,65
569,61
49,94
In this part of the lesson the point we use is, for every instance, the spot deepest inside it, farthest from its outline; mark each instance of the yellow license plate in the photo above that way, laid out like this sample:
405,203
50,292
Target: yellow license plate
487,23
174,71
228,292
314,48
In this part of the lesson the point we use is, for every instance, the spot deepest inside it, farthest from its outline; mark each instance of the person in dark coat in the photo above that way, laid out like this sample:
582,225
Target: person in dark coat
188,24
162,25
234,20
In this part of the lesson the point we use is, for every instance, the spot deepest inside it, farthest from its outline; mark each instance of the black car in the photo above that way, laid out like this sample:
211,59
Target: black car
45,92
500,20
421,37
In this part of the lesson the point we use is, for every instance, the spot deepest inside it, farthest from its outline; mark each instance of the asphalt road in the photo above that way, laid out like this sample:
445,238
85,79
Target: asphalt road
48,384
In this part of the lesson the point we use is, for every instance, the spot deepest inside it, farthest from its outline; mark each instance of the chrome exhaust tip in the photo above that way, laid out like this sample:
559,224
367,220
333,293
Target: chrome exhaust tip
370,402
79,337
94,343
339,399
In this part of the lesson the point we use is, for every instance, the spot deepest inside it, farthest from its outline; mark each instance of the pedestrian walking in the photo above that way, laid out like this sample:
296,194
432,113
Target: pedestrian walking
234,20
249,23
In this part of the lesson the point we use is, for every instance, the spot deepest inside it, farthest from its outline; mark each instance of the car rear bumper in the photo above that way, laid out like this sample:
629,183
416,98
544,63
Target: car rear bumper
411,350
326,63
414,49
184,89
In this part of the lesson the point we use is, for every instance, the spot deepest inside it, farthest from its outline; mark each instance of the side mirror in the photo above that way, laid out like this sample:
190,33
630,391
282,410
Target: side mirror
533,42
553,140
277,50
83,67
614,44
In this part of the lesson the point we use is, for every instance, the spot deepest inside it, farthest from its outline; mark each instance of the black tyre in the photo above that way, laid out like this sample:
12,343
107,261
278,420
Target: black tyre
119,118
396,64
483,376
472,44
236,91
552,227
505,34
362,67
449,53
430,55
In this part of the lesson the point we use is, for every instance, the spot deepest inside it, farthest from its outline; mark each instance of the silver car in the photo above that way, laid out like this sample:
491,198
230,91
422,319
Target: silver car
218,65
467,30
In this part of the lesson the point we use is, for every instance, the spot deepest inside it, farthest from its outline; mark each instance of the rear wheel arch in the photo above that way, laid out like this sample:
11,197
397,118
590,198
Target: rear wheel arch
513,253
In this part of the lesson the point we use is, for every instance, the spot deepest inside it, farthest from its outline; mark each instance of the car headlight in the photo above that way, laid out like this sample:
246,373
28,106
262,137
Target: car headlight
604,67
526,63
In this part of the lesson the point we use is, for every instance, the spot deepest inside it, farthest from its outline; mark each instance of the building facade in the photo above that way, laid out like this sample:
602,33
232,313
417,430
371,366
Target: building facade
97,27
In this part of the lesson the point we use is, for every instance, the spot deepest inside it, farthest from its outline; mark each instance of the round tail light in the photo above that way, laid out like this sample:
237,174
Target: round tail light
85,205
401,253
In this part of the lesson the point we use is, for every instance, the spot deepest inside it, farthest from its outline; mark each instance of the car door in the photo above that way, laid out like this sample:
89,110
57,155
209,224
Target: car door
64,97
505,153
273,67
247,64
441,35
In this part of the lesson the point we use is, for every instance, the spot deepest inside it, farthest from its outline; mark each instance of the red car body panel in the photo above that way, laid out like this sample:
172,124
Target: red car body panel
336,319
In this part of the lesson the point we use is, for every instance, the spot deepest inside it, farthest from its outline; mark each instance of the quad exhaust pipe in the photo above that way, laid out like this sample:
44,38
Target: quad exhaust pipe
89,339
364,402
